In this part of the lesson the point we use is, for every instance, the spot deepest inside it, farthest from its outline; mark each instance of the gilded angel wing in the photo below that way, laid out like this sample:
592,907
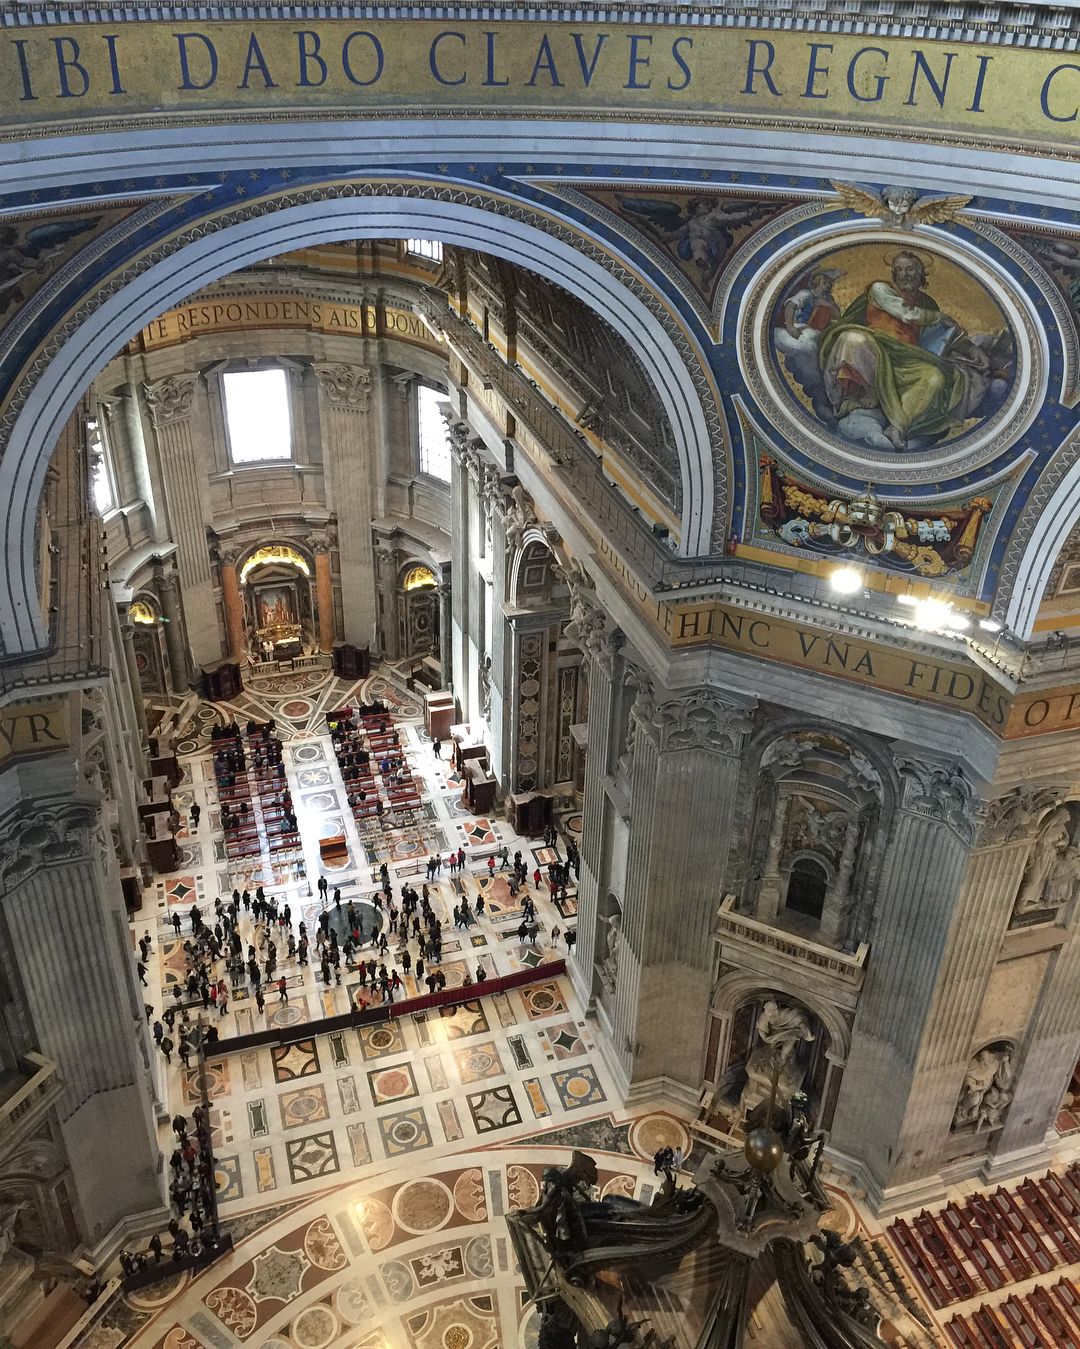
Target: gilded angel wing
859,200
936,210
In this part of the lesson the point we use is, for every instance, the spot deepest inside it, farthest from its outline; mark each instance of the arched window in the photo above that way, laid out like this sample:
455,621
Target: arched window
806,887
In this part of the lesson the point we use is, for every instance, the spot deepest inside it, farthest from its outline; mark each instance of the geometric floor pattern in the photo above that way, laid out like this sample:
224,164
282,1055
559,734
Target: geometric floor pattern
365,1174
365,1207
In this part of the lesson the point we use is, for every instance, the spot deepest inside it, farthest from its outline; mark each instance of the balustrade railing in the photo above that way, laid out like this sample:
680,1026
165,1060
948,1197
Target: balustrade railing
790,946
40,1083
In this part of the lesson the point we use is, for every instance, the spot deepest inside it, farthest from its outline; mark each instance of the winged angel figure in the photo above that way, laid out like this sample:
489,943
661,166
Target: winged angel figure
701,229
28,252
899,206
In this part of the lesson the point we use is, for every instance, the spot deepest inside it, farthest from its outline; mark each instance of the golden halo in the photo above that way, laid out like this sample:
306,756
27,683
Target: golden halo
926,260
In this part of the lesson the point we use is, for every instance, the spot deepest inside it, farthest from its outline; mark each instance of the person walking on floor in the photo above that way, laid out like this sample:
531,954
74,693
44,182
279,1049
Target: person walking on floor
196,814
283,990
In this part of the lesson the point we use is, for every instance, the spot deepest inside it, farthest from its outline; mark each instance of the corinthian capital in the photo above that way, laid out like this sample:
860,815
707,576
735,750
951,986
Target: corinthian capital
169,400
346,387
702,720
46,835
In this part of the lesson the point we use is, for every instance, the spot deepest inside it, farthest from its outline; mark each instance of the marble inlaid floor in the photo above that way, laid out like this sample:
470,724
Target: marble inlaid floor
365,1174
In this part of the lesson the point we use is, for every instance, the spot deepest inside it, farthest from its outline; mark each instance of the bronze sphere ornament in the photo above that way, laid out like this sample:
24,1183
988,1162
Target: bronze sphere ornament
764,1149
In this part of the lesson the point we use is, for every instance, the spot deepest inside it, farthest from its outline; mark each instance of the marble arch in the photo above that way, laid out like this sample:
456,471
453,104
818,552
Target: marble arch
730,992
212,255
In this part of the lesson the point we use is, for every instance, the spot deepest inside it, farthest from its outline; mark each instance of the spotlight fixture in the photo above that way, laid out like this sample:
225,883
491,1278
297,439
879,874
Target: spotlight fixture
939,616
990,625
846,580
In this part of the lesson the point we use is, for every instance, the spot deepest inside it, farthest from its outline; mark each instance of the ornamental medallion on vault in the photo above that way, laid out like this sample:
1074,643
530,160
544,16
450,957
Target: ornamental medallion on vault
892,353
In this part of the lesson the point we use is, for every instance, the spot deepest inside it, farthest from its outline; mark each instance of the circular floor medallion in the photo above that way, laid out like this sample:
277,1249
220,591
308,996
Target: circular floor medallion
457,1337
423,1206
296,708
315,1327
653,1132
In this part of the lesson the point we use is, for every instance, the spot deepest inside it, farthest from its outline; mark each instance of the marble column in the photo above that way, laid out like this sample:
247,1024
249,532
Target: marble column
446,625
502,694
836,902
167,587
233,604
387,566
324,593
171,402
350,449
462,467
768,896
127,633
67,936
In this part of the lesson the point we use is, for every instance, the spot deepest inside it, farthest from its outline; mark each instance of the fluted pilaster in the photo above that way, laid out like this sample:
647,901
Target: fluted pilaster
594,845
684,776
348,429
894,1110
171,404
65,928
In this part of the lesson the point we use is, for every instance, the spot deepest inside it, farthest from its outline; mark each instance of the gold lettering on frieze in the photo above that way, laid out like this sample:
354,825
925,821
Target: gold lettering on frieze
286,311
903,84
38,727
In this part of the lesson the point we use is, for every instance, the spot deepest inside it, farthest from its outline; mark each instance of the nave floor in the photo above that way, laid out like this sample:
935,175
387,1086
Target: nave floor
364,1174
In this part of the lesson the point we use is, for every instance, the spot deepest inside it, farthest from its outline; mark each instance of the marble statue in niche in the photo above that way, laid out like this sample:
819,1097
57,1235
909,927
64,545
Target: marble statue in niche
609,965
816,830
1052,874
987,1089
7,1228
780,1030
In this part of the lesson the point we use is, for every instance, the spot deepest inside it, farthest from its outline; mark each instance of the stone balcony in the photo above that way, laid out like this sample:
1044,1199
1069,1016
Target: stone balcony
752,945
25,1095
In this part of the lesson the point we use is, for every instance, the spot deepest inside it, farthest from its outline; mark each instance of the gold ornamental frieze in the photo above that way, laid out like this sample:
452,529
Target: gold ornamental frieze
57,78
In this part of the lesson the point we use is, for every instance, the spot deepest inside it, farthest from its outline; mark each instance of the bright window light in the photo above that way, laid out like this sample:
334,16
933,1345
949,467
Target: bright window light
434,436
846,580
257,413
100,478
431,249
